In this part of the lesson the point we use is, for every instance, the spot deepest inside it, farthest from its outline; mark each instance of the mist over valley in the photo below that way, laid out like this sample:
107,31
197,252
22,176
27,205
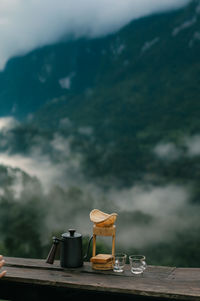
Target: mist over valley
110,120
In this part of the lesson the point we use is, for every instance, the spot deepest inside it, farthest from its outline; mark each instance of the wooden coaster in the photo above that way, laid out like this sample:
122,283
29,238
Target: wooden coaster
102,262
102,266
101,258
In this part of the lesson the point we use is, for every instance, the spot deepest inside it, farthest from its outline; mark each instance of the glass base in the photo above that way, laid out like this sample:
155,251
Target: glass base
137,271
118,270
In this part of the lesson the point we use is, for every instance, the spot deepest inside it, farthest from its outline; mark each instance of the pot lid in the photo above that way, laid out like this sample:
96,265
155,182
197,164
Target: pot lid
71,234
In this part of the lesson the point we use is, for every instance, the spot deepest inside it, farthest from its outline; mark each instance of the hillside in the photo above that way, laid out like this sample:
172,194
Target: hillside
129,91
111,123
145,91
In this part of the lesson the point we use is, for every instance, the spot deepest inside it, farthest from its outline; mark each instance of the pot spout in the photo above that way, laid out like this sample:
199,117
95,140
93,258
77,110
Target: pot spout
52,252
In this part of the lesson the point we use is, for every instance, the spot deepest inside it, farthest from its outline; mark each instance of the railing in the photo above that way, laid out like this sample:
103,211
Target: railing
32,279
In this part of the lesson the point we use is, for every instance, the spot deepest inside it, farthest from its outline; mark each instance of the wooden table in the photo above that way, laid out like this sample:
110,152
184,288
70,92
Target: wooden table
33,279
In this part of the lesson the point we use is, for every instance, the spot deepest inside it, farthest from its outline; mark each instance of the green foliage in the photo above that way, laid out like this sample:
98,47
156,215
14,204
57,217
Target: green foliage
132,99
19,228
137,98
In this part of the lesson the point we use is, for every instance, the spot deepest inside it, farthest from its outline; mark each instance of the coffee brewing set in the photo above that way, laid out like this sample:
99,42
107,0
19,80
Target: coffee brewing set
71,244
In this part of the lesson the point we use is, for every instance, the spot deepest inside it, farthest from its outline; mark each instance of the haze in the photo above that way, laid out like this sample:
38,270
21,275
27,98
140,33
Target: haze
26,25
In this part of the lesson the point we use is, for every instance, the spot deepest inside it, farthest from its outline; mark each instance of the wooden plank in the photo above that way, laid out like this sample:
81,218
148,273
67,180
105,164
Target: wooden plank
179,274
33,263
157,282
124,285
152,271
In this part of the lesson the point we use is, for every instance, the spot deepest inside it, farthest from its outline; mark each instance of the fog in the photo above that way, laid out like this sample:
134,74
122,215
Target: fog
26,25
189,147
147,213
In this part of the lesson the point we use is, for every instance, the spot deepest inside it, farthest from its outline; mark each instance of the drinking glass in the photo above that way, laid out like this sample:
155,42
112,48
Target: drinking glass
137,264
119,262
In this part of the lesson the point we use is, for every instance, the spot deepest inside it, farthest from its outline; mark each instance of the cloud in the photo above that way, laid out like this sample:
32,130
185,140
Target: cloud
165,211
147,213
34,166
193,145
48,167
190,147
26,25
6,123
168,151
66,82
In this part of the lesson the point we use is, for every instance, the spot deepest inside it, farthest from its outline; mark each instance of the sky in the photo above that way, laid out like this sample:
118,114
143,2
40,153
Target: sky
28,24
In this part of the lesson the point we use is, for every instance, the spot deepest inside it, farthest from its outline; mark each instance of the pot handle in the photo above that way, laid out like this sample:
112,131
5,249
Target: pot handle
88,249
52,252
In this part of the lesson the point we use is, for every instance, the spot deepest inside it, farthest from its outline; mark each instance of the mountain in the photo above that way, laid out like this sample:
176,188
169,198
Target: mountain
130,90
78,68
112,122
70,67
144,92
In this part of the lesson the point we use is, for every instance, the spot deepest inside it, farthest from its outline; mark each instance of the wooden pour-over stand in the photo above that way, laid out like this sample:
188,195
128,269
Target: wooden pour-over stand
103,226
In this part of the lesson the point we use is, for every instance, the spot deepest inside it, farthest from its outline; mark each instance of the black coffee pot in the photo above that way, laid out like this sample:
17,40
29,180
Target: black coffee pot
71,251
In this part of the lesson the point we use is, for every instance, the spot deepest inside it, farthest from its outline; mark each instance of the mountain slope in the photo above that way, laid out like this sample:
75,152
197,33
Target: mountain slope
77,66
114,124
146,91
30,81
132,90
